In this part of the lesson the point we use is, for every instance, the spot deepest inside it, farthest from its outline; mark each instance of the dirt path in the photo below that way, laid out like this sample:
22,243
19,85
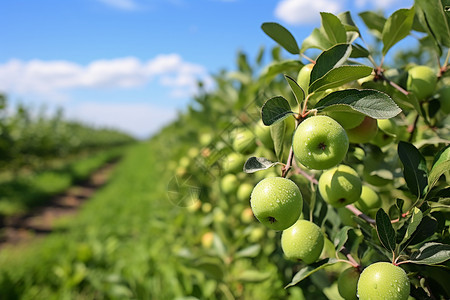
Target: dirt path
40,221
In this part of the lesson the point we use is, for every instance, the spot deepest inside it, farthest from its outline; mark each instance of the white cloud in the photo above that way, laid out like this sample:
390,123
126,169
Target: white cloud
51,78
297,12
140,119
382,4
121,4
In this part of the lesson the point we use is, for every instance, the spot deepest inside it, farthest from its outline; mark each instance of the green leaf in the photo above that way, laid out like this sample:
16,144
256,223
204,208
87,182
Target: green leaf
253,276
341,237
441,164
386,232
296,89
359,51
431,254
275,110
333,28
432,16
317,39
414,222
311,269
347,21
330,59
250,251
426,228
254,164
339,76
414,168
210,267
374,22
282,36
277,67
397,27
372,103
277,132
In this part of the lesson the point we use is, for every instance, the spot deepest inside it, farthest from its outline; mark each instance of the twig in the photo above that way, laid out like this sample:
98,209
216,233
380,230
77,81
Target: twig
308,59
360,214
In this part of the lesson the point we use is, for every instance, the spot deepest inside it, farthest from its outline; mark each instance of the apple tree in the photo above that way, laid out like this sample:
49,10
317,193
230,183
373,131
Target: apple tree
364,179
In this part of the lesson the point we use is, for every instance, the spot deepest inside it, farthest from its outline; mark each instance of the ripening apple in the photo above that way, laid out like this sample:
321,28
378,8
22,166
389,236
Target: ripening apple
340,186
262,132
347,119
320,143
233,162
444,98
244,191
369,201
276,202
421,81
304,76
383,280
364,132
244,141
348,283
229,184
303,241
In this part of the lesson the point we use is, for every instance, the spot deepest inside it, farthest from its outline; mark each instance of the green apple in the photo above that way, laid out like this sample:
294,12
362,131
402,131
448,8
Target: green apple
320,143
347,119
348,283
444,98
276,202
304,76
369,201
364,132
388,126
233,162
244,191
262,132
340,186
207,239
303,241
383,280
382,139
421,81
229,184
247,215
244,141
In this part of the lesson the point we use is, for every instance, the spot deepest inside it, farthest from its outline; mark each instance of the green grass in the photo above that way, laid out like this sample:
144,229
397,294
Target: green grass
21,194
130,242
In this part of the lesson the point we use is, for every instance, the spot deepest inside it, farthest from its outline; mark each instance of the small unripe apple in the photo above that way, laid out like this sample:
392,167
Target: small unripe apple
382,139
364,132
244,191
347,119
421,81
340,186
262,132
369,201
303,241
348,283
388,126
229,184
234,162
444,98
383,280
304,76
207,239
247,215
244,141
276,202
320,143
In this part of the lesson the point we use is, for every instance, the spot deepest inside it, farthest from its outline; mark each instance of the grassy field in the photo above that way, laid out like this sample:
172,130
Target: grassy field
130,242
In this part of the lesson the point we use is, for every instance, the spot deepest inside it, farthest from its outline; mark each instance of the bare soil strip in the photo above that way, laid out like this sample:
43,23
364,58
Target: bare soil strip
40,221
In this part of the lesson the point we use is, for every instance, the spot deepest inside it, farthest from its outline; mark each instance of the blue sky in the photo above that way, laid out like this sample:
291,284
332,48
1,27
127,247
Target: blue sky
132,64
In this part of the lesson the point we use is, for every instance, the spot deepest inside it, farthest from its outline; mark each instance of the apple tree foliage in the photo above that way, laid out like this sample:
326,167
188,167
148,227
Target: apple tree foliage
397,154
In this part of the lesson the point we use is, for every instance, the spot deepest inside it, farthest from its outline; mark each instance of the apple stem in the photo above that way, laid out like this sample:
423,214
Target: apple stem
308,58
360,214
